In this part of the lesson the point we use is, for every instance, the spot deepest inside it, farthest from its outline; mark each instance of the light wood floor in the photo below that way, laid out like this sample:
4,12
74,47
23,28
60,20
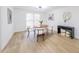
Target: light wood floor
53,43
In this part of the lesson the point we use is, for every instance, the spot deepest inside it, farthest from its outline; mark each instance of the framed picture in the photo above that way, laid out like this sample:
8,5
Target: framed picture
67,16
9,16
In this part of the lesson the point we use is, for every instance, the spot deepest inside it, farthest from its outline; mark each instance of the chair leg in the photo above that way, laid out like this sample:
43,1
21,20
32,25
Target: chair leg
37,38
52,31
65,33
34,33
43,37
28,33
47,32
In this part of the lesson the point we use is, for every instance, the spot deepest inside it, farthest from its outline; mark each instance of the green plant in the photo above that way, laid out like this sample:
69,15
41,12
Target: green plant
41,21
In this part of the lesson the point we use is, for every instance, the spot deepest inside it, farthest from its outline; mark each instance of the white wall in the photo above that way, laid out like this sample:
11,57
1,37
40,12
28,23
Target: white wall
6,29
0,26
44,18
58,18
20,19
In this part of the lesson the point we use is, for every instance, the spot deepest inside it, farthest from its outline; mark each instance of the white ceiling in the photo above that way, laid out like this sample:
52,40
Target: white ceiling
34,9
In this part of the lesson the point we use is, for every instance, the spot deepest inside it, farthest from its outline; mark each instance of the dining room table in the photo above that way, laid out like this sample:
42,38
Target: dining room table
40,28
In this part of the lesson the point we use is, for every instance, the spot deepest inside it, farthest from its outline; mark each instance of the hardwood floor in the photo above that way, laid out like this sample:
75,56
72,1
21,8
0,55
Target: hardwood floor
20,43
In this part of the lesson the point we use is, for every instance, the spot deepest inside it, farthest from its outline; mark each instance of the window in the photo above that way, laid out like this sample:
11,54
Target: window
32,19
29,20
36,19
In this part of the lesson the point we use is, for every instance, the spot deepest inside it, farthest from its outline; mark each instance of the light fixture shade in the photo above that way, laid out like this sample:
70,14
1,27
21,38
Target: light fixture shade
41,6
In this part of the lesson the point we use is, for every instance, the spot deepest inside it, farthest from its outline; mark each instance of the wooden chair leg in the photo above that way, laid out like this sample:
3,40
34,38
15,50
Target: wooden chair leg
28,33
65,33
37,39
47,32
43,37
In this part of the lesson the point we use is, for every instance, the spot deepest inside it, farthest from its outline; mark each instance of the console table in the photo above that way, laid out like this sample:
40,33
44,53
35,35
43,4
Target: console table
66,28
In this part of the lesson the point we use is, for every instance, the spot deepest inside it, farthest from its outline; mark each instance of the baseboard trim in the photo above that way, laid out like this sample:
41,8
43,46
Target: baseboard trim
7,43
20,30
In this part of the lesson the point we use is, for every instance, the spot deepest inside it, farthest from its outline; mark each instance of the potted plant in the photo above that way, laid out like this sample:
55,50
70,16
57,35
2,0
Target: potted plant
41,21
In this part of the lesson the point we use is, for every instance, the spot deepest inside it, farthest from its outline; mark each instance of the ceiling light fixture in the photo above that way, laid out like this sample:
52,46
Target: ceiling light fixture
41,7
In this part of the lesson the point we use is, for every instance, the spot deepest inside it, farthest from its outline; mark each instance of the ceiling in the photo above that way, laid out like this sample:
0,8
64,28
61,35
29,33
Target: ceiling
34,9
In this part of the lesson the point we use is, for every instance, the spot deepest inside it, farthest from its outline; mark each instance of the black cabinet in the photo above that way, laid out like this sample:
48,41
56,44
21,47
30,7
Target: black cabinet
66,28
